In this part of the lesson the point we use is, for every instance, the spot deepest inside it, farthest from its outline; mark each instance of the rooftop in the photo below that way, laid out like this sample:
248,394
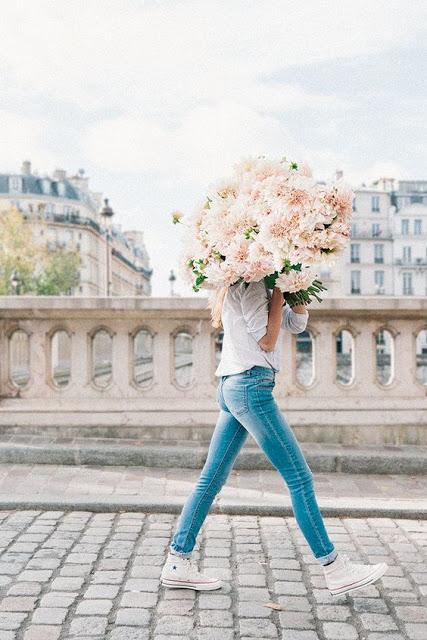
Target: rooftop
57,186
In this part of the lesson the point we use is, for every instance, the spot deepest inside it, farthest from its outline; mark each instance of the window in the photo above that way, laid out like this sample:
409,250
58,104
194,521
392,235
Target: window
384,357
421,357
102,358
416,199
379,253
15,183
344,362
19,358
60,354
418,227
354,206
183,358
143,358
404,227
46,186
407,284
379,282
407,255
305,372
355,252
375,204
219,337
376,229
353,229
355,282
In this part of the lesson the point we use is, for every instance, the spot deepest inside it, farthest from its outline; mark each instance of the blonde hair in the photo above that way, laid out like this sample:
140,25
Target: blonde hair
215,302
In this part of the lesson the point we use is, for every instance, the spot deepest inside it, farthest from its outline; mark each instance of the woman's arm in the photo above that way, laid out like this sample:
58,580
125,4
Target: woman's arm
268,341
295,318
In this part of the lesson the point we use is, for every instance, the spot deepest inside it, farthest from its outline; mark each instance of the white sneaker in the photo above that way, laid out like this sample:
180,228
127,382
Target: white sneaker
179,572
343,576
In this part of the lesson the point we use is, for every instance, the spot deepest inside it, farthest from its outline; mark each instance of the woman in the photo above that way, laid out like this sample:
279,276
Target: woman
253,318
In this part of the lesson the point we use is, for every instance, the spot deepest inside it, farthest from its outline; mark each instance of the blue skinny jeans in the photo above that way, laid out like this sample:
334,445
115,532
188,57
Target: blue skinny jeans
247,406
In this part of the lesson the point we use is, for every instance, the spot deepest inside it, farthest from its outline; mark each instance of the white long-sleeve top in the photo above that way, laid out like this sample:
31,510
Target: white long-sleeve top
244,319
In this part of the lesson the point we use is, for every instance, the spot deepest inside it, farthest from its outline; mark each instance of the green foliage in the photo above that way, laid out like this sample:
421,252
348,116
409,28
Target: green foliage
41,272
61,274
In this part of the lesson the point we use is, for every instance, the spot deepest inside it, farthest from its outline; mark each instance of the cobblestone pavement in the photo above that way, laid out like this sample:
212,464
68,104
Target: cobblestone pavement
80,575
134,485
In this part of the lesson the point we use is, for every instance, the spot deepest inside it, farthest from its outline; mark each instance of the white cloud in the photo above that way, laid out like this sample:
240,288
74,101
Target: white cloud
207,141
23,138
162,57
381,169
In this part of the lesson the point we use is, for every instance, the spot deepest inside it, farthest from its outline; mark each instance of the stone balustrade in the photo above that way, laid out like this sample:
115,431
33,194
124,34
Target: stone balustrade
144,367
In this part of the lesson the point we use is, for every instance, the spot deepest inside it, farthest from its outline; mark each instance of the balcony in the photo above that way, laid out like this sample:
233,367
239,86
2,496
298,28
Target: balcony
369,235
418,263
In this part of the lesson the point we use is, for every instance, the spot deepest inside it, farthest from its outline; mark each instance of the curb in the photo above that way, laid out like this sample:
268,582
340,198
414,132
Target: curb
405,511
408,460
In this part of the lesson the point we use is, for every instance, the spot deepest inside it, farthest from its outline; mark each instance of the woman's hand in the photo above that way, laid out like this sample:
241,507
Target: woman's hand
300,308
277,297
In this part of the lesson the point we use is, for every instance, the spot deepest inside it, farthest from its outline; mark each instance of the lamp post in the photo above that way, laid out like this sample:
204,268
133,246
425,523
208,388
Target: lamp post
107,214
15,282
172,278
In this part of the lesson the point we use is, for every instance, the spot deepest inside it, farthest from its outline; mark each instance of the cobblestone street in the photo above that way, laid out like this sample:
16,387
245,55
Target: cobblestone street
96,576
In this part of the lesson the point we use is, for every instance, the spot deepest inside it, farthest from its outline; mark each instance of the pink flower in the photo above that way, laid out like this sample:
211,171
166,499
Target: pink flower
297,198
295,280
304,170
257,269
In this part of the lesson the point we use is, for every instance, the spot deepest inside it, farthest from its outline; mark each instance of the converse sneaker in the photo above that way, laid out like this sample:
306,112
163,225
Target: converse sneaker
180,572
343,576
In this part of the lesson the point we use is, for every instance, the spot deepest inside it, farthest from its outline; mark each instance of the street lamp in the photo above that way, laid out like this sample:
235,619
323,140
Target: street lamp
107,214
15,281
172,278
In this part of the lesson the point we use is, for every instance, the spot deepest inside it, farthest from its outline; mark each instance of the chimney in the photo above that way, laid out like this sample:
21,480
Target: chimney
339,174
26,168
59,174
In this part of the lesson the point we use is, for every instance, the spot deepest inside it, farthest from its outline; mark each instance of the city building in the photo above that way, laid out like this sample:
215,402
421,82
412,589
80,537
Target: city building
387,252
64,212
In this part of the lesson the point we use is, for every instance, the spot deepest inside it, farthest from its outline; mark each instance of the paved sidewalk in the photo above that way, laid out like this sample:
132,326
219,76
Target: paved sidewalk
246,492
322,457
84,576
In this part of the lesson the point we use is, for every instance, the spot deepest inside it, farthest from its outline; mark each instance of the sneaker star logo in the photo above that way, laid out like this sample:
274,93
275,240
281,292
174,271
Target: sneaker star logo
174,567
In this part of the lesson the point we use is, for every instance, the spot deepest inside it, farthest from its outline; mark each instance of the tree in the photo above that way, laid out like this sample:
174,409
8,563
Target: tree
18,252
61,273
41,271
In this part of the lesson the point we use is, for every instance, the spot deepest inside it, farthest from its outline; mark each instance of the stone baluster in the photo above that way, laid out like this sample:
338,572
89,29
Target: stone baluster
162,359
365,357
122,368
80,358
39,374
324,359
203,360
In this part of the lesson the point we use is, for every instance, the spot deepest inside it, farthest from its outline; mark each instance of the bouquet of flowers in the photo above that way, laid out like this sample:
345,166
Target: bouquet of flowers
270,220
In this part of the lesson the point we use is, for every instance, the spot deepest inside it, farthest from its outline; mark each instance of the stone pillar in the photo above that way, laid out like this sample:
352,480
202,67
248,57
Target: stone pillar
365,359
80,345
39,359
324,359
121,364
162,359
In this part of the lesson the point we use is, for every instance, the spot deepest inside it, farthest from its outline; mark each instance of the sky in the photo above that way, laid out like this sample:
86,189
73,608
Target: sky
157,99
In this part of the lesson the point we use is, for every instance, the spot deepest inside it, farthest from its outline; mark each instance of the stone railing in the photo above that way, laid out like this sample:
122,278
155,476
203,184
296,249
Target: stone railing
145,367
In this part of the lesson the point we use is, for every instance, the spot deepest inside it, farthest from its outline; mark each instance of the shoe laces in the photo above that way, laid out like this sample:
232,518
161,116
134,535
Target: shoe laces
192,568
351,566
